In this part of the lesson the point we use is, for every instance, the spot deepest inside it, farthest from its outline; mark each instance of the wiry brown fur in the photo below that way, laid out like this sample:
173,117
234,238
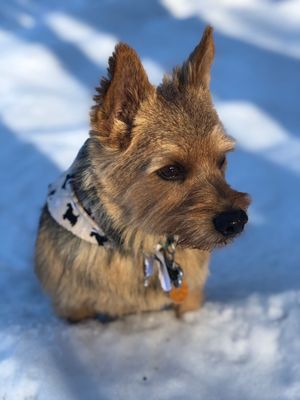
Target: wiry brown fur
136,129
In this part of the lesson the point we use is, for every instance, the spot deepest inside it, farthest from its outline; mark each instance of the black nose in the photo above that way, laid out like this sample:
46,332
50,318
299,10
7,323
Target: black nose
230,223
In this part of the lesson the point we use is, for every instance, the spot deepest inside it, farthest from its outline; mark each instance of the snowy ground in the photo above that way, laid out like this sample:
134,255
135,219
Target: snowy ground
244,343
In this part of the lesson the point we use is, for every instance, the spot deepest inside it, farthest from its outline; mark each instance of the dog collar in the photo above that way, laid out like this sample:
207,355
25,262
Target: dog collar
67,211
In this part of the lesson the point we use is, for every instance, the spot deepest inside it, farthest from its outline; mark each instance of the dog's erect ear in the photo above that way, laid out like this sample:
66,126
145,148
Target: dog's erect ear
119,97
195,71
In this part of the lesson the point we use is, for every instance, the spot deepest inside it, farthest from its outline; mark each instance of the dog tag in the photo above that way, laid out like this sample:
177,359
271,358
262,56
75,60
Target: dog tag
178,295
170,273
148,269
163,273
176,274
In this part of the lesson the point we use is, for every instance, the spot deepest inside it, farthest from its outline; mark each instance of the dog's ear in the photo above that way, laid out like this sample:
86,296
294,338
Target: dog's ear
119,98
195,71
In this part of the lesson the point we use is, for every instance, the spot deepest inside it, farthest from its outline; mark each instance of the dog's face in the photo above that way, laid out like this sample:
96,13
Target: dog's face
163,152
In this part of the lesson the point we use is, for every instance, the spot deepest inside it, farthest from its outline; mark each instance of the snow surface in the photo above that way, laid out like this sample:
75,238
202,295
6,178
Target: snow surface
244,343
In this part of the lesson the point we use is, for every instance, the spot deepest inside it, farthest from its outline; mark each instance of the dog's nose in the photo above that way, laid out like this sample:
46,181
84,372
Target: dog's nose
230,223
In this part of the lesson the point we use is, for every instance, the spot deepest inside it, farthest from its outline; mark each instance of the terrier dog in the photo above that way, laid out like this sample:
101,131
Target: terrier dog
130,226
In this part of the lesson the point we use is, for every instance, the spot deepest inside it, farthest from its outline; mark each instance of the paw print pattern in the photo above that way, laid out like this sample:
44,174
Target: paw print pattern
100,239
70,216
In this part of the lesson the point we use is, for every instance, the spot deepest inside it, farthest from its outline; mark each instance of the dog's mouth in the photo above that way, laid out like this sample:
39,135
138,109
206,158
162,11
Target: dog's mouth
209,242
205,245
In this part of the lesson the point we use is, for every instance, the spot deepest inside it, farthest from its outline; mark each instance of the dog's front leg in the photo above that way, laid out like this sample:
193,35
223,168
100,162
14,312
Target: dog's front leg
75,314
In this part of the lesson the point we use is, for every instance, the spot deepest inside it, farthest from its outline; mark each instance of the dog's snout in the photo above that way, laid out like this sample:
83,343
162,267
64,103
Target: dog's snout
230,223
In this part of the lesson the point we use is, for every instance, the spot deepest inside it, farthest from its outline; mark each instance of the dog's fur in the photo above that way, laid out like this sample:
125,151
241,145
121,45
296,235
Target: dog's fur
137,129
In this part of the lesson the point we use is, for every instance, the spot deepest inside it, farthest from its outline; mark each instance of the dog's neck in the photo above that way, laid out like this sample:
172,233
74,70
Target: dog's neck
87,187
84,186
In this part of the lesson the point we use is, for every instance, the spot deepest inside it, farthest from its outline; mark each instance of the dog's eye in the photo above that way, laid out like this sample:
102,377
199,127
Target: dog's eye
222,162
175,172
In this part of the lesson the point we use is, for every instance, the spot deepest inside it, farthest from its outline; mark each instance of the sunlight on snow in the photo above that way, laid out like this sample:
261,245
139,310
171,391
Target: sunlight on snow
96,45
256,21
257,132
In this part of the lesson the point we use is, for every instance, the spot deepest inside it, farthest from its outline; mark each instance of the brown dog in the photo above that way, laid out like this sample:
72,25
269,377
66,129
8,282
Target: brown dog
152,169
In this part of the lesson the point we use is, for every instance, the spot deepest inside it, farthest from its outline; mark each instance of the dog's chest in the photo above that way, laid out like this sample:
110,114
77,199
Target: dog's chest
123,275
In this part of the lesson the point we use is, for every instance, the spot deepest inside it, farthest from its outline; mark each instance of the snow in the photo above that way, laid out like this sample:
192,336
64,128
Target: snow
238,18
263,135
244,343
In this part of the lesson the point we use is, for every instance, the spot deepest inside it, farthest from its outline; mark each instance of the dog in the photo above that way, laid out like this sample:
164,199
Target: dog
131,225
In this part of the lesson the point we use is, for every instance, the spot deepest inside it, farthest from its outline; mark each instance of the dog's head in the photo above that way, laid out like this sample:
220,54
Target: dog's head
163,151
